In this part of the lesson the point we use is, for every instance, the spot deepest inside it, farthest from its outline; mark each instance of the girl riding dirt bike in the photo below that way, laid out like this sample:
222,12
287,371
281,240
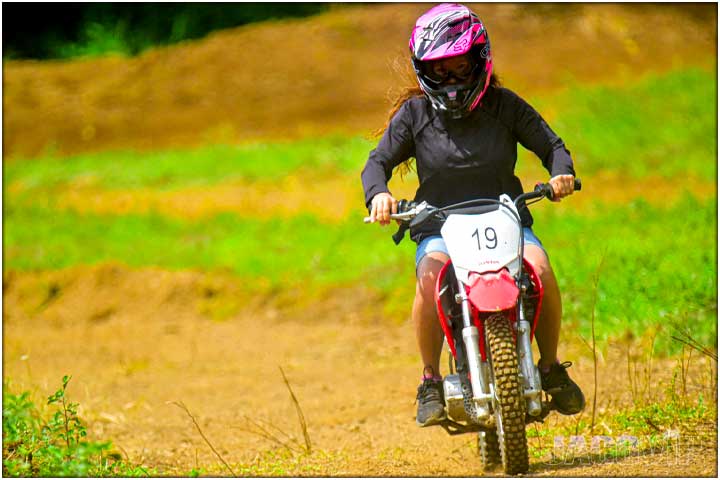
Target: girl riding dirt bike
463,128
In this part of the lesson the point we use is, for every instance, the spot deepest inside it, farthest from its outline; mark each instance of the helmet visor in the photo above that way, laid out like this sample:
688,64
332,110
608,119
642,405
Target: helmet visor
438,72
438,75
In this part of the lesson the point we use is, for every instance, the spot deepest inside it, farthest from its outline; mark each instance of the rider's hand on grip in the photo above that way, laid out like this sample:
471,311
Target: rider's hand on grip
383,205
562,186
549,191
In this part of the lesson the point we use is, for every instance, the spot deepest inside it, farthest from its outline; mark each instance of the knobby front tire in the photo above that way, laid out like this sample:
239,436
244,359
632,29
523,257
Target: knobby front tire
510,403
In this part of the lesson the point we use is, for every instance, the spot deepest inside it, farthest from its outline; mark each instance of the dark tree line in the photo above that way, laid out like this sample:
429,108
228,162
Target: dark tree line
51,30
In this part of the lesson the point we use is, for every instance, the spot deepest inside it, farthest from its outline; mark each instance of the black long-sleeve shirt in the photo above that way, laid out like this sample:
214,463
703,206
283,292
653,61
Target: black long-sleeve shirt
459,160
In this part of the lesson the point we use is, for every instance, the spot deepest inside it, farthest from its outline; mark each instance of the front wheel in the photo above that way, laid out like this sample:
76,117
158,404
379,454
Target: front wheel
509,402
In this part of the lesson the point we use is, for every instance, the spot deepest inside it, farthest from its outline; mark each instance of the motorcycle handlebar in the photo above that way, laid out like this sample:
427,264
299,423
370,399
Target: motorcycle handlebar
405,207
548,191
544,190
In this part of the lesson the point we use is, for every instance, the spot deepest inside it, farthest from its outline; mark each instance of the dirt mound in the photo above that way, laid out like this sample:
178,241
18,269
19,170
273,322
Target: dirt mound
329,73
99,293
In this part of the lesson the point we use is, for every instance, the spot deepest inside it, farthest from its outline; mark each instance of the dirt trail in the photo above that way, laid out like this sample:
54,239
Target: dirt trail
135,340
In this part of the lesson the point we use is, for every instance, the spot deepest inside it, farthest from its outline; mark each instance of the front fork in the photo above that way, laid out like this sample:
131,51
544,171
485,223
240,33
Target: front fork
480,376
482,387
530,376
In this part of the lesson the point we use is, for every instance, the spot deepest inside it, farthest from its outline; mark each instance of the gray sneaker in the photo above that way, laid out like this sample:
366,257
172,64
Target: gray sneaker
431,404
566,395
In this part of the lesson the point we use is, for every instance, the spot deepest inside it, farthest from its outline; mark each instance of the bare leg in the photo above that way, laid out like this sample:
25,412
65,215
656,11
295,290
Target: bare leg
547,332
428,332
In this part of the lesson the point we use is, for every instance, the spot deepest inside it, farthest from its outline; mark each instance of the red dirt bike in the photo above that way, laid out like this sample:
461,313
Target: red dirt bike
488,303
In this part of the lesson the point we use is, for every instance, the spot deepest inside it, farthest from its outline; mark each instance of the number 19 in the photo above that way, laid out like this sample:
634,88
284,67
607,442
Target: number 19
490,236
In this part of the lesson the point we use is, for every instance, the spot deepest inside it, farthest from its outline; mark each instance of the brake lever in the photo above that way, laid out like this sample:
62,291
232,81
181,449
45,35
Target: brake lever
422,216
412,213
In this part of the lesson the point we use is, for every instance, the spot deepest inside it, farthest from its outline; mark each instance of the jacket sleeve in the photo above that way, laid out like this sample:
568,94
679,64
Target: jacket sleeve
533,133
396,145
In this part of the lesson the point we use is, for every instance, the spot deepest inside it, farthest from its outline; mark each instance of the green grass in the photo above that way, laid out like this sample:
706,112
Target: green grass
318,158
667,420
297,251
97,40
664,125
659,266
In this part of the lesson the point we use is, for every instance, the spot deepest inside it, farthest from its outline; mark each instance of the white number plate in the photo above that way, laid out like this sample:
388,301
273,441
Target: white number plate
484,242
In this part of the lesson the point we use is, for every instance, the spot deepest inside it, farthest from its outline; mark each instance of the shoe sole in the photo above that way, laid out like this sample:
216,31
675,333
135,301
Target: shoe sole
567,412
431,421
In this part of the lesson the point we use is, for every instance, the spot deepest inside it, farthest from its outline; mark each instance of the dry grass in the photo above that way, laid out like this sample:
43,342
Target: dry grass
290,196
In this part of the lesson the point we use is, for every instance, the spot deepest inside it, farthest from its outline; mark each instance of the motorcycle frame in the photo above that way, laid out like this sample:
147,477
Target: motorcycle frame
481,378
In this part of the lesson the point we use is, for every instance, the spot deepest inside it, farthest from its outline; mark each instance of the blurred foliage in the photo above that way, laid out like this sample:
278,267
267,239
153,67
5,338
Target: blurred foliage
656,267
64,30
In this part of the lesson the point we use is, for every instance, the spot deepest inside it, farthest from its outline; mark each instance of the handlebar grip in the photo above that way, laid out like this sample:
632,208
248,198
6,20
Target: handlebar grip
548,191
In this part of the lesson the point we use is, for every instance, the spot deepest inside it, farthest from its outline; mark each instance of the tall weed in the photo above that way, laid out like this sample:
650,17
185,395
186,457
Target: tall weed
34,446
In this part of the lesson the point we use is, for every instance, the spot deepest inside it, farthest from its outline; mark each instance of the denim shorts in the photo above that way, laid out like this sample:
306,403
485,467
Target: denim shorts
436,243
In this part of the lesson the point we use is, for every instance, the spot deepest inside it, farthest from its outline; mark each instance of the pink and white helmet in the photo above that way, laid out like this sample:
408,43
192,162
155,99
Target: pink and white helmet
444,31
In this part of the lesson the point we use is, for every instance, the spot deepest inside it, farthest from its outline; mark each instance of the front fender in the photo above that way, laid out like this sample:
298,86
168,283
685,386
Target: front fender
493,291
